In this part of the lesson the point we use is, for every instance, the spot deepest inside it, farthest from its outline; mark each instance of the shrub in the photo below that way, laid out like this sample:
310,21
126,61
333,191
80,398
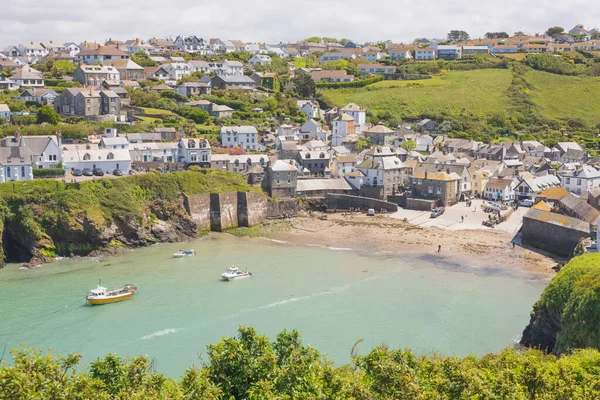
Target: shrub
48,172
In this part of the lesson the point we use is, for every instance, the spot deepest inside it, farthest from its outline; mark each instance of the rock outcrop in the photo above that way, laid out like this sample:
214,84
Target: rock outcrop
567,315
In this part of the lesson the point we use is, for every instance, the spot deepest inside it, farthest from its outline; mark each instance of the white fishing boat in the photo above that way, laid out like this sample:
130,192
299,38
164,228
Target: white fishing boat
101,295
234,272
184,253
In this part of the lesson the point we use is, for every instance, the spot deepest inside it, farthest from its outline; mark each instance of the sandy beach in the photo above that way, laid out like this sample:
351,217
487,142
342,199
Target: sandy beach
485,248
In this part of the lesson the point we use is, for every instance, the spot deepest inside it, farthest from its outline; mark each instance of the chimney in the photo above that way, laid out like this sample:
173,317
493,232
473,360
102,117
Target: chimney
59,138
425,174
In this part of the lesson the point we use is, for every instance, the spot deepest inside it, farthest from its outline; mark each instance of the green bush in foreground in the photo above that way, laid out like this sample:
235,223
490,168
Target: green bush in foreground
250,366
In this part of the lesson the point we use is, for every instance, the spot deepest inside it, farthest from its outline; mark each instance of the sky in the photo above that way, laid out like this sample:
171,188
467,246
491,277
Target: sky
273,21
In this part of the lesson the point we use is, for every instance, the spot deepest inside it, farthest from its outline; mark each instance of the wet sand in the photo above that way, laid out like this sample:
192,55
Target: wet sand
478,248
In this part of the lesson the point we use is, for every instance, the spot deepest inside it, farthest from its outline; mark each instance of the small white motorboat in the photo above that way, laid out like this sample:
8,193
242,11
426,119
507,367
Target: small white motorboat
235,273
184,253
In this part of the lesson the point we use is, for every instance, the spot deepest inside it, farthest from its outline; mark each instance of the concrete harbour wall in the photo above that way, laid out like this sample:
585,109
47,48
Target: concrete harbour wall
344,202
222,211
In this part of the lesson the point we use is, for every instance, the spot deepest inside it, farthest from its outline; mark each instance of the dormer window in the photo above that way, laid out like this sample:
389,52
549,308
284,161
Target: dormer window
322,155
110,156
192,144
86,157
307,155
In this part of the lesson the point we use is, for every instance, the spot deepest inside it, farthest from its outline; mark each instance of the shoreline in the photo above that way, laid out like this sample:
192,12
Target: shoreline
383,234
380,235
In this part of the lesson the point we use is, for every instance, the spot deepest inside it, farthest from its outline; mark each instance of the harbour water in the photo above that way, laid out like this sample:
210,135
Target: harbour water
332,296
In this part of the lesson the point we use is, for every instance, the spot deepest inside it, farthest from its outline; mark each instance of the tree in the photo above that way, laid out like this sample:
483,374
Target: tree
555,31
47,114
313,39
343,41
63,67
496,35
458,36
142,59
519,33
409,145
305,86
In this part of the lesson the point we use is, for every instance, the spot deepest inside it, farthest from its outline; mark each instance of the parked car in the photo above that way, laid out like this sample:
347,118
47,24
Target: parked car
77,172
526,203
371,212
437,212
98,172
117,172
87,172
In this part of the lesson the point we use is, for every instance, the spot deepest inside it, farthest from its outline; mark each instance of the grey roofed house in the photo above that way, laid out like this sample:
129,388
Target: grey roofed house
26,72
579,208
238,129
15,155
114,141
282,166
325,184
553,232
236,79
36,144
143,137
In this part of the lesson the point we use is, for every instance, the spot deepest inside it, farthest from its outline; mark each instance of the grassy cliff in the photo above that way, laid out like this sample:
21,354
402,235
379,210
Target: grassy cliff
567,316
44,218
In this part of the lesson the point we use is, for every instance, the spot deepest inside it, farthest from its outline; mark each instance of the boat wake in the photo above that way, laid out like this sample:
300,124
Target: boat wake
160,333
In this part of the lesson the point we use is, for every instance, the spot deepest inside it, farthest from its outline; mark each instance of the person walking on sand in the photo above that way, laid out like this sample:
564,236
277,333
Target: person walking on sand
439,248
462,219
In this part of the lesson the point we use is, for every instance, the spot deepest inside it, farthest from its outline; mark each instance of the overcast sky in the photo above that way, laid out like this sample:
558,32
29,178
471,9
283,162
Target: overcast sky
282,20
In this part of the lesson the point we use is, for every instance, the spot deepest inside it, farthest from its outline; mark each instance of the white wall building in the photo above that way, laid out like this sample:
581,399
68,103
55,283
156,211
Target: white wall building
194,151
358,113
80,157
581,179
240,136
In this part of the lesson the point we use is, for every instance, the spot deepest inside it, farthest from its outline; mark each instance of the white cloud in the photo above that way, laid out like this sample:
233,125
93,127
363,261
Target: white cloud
282,20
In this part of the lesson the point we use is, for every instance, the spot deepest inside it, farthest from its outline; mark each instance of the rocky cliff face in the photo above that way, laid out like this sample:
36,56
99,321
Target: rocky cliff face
542,330
28,238
567,315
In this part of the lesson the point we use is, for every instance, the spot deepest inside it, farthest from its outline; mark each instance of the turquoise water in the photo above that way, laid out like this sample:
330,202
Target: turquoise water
333,297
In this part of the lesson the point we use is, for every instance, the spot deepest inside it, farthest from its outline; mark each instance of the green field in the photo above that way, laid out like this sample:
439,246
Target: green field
479,92
567,97
156,111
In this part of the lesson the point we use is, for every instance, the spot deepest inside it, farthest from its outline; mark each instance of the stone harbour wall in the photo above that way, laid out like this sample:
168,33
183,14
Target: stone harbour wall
198,207
222,211
344,202
252,208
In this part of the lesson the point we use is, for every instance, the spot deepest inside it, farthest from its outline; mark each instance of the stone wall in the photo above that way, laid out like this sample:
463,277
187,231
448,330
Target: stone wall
284,208
219,212
198,207
251,208
551,237
344,202
223,211
421,204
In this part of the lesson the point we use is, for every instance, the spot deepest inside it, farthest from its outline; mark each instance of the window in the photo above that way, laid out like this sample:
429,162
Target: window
419,181
578,182
567,180
439,190
289,181
110,156
22,172
430,189
8,172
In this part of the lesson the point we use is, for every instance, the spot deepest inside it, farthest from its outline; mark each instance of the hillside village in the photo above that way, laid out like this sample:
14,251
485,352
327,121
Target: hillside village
251,108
